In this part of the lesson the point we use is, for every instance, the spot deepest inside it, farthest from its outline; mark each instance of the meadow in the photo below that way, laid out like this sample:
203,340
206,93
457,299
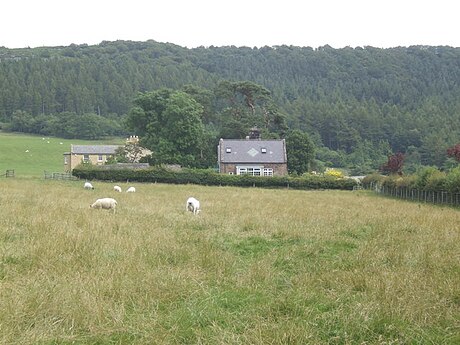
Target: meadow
30,155
256,266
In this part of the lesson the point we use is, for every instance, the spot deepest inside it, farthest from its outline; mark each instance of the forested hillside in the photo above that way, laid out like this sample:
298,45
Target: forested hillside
356,104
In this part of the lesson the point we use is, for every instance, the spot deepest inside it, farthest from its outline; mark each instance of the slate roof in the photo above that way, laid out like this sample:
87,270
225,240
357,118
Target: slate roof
251,151
93,149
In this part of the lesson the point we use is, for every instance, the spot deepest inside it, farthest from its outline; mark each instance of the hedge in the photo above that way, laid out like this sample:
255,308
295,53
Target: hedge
428,179
211,178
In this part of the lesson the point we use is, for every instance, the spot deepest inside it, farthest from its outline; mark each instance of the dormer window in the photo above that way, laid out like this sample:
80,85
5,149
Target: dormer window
263,150
228,150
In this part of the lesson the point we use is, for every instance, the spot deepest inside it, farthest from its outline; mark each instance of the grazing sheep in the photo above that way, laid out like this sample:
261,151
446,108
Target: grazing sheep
105,203
117,189
88,185
192,205
131,190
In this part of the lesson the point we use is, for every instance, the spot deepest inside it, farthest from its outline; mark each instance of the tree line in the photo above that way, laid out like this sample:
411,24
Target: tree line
357,105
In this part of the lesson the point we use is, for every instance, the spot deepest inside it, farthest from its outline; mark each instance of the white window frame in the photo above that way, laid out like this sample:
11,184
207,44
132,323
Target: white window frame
100,158
268,172
86,158
249,170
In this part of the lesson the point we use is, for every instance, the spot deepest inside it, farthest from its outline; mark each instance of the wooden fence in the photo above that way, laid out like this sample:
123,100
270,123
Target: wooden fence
59,176
8,173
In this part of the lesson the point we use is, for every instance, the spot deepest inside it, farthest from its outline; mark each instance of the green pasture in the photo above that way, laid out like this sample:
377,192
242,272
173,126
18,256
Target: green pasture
30,155
256,266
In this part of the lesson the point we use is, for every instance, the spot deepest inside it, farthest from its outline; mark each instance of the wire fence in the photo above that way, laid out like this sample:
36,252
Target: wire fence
433,197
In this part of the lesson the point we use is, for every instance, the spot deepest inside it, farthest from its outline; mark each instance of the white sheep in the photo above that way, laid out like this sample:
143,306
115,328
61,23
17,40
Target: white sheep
117,189
192,205
131,190
88,185
105,203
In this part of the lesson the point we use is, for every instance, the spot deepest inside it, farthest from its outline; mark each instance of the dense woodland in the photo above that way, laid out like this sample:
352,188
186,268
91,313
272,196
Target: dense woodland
357,105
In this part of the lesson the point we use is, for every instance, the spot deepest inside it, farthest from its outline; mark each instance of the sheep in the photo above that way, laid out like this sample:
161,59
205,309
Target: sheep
105,203
88,185
192,205
117,189
131,190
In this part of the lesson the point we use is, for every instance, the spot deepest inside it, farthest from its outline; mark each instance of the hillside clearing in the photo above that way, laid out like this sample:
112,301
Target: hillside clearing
31,155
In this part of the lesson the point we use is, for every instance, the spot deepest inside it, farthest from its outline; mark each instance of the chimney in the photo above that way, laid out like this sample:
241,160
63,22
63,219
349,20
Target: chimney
254,133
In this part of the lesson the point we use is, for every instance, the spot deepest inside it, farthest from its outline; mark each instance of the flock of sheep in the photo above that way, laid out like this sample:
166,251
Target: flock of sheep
192,204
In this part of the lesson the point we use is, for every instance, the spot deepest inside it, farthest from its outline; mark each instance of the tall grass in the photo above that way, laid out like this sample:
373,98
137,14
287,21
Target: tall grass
254,267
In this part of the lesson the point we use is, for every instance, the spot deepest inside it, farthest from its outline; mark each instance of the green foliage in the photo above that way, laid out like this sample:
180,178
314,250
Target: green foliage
300,152
244,105
169,123
209,177
452,181
347,100
68,125
424,175
426,179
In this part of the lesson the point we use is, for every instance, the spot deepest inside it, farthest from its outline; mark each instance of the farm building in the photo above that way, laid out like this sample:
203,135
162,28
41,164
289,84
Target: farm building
95,154
99,154
252,156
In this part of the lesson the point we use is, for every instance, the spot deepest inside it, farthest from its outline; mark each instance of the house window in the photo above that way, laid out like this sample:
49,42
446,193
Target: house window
228,150
99,158
263,150
66,161
86,158
253,171
268,172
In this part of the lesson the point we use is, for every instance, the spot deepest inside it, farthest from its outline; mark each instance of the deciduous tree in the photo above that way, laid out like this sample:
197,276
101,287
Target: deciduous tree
394,165
169,124
454,152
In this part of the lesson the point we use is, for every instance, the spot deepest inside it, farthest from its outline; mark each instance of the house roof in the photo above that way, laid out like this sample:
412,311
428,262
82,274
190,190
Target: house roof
93,149
252,151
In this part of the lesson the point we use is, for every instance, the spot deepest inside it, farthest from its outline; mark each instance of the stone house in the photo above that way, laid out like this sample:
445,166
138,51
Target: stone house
255,157
95,154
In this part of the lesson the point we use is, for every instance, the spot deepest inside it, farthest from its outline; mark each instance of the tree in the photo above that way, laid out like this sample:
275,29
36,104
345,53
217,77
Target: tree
169,124
129,153
248,104
394,165
21,121
300,152
454,152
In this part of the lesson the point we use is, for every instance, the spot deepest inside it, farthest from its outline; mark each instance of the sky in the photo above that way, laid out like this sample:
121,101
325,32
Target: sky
249,23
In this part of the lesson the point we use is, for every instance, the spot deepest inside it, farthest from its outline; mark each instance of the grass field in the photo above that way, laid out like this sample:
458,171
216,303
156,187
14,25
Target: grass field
43,153
254,267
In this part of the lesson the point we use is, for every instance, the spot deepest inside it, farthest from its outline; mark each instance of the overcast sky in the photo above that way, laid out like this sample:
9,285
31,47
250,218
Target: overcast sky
251,23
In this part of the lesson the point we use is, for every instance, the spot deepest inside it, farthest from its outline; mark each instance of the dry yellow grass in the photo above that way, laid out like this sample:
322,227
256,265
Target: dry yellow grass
254,267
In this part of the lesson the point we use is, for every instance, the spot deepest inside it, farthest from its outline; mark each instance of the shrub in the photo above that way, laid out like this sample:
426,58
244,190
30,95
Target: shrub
423,176
334,173
436,181
211,178
452,183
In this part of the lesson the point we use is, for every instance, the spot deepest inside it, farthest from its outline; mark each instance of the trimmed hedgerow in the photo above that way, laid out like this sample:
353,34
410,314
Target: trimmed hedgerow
210,178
